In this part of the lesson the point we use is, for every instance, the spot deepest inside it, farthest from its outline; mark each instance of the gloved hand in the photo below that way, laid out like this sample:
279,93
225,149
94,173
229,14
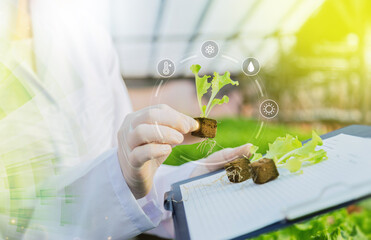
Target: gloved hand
145,140
217,160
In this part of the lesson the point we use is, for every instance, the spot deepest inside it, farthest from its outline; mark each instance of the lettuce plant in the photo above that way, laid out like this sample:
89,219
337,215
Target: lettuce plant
288,152
202,85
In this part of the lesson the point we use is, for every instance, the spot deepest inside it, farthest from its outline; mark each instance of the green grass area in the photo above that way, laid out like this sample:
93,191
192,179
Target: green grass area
233,132
340,224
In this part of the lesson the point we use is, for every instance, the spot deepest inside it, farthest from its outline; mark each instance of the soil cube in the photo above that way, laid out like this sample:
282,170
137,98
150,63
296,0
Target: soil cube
207,128
238,170
263,170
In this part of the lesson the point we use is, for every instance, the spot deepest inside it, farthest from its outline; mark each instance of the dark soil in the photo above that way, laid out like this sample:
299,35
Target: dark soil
207,128
263,171
238,170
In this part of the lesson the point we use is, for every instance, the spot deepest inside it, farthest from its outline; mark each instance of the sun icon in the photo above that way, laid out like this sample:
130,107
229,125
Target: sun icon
269,108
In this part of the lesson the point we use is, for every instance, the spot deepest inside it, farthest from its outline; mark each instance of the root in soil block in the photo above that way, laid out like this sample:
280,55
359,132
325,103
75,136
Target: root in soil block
263,170
238,170
207,128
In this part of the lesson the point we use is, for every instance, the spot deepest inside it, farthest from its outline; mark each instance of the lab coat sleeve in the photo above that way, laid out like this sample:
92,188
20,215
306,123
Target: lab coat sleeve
109,209
152,204
96,205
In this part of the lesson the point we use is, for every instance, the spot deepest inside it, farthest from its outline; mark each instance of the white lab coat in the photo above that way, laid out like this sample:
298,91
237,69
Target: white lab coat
64,134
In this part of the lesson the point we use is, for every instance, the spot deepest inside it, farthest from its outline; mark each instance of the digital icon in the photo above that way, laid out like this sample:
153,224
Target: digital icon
166,68
209,49
250,66
269,108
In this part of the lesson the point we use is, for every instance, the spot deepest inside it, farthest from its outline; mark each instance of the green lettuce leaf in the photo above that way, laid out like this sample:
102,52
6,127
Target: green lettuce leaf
282,145
308,148
293,164
253,149
294,159
216,101
202,85
256,157
217,83
288,152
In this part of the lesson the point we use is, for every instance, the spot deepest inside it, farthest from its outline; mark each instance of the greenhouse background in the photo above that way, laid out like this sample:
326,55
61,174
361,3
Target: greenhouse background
315,64
315,58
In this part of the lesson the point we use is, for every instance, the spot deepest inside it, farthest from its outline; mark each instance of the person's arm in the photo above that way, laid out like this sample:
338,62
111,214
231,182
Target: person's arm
90,204
47,191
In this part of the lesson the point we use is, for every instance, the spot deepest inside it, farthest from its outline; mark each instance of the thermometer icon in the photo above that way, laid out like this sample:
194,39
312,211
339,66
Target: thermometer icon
166,69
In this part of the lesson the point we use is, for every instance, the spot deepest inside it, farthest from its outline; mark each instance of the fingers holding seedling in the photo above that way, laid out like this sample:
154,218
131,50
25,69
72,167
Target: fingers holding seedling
149,133
166,116
140,155
145,141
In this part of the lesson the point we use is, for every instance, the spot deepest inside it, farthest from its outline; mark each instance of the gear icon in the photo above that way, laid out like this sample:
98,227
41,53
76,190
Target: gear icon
209,49
269,108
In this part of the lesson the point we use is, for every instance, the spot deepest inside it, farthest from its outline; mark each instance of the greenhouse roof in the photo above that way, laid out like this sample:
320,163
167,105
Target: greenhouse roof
147,31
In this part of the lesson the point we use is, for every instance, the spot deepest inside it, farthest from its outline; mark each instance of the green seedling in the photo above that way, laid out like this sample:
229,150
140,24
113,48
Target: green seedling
203,85
208,126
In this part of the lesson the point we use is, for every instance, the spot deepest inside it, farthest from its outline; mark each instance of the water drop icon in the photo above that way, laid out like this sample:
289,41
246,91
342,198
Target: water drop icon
250,67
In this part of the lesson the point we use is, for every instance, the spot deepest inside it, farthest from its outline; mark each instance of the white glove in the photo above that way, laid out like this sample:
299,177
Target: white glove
217,160
145,141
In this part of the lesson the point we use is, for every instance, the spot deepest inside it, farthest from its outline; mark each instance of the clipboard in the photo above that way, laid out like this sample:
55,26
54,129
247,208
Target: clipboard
173,203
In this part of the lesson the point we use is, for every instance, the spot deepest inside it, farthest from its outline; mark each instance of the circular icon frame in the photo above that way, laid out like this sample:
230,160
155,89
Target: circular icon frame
251,66
209,49
166,68
269,108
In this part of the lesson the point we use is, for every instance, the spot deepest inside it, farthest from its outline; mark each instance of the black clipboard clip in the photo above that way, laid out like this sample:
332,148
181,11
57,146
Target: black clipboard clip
168,201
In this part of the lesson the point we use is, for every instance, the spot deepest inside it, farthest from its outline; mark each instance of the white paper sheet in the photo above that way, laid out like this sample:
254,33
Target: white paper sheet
218,209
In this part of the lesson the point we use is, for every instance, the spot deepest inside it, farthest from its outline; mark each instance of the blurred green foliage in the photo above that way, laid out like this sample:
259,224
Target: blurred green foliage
340,224
322,72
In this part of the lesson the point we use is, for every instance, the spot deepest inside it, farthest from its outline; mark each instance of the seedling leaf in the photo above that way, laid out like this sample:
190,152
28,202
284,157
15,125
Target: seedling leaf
289,153
282,145
202,85
217,83
218,101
